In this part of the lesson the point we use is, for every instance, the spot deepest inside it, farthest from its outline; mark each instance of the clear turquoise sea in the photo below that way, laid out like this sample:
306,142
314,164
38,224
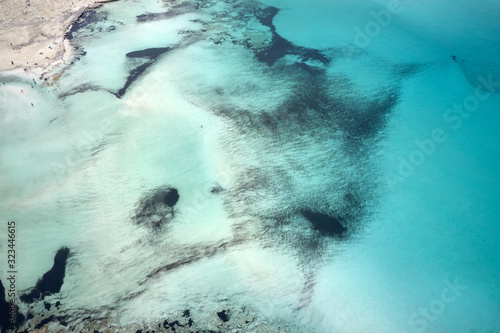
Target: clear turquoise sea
331,164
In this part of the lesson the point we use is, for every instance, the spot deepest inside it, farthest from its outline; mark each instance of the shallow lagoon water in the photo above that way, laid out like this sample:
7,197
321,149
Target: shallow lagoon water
256,149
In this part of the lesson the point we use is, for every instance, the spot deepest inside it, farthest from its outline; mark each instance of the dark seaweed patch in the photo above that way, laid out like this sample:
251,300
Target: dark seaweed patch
85,21
327,225
281,47
80,89
266,16
44,321
172,325
51,282
192,254
326,109
216,189
223,315
156,208
133,75
172,12
148,17
171,198
152,55
364,119
5,310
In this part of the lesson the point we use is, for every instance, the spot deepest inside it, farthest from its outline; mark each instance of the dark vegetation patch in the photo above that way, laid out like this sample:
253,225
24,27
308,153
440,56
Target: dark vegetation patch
51,282
223,315
44,321
156,208
313,107
7,312
216,189
4,309
330,226
364,118
86,22
80,89
152,55
281,47
172,12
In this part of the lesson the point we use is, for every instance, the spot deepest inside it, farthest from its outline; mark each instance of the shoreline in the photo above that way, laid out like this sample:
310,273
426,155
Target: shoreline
33,37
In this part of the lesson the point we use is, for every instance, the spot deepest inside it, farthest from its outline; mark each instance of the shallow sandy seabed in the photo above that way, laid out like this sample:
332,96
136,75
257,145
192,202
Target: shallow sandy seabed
32,41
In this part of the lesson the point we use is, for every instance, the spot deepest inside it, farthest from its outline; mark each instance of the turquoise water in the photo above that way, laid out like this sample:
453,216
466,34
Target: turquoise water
336,164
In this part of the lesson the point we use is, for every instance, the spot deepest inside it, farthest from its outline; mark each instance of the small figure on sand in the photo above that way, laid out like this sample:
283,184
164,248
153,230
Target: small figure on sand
22,91
32,86
12,62
32,105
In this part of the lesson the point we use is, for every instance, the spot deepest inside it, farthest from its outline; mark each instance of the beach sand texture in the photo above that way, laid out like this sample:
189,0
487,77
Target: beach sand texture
32,32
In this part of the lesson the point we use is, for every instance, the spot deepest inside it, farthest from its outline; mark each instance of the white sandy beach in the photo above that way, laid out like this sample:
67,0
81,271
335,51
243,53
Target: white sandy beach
32,32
